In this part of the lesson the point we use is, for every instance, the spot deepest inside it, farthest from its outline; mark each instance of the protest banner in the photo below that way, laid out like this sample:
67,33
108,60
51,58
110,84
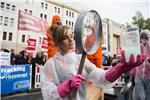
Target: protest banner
4,58
14,78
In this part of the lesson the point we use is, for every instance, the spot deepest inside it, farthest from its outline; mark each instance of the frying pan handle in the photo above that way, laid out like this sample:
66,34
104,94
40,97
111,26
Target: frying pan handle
82,62
74,92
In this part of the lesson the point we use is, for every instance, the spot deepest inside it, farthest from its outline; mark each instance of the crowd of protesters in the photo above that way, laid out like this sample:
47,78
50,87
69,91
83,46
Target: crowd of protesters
109,60
25,57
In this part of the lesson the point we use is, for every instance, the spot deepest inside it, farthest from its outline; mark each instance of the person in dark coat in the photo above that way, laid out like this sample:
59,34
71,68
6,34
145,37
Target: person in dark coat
21,58
38,60
13,57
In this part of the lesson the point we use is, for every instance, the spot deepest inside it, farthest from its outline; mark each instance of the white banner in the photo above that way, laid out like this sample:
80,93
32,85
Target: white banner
4,58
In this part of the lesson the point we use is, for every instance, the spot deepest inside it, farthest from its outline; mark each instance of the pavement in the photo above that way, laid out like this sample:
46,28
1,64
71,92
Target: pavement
34,94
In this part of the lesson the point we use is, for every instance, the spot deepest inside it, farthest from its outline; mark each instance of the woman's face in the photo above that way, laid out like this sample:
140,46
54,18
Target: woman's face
68,43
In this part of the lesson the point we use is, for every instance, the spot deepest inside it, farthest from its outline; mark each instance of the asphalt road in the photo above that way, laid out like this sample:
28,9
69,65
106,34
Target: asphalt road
23,96
36,95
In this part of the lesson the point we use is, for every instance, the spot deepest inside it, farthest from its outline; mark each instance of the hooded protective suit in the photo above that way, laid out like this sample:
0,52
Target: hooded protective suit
59,68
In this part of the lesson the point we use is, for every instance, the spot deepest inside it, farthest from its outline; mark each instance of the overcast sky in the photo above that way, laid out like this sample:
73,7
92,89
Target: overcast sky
120,11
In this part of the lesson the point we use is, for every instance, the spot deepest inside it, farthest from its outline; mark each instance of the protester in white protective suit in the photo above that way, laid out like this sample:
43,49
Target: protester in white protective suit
59,75
141,90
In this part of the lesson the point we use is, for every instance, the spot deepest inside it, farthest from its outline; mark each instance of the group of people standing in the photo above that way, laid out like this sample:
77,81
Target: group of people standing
27,58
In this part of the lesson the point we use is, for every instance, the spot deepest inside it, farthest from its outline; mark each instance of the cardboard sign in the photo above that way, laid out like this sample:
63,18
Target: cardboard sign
44,44
31,44
4,58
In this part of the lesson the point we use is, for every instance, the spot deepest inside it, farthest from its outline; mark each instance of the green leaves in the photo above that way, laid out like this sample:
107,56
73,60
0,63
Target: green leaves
139,22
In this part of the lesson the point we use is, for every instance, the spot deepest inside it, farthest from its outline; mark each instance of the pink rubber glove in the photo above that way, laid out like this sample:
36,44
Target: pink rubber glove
149,60
132,73
123,67
74,82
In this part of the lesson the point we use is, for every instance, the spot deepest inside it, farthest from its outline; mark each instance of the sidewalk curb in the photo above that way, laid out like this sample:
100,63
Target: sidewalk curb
34,90
21,93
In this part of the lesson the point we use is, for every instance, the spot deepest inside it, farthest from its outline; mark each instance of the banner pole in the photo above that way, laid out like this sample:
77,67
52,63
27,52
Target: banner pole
17,32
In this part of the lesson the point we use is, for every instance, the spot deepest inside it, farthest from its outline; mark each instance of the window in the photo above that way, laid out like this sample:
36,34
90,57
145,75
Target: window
23,38
11,22
30,12
72,14
13,7
72,24
42,5
45,16
26,10
46,6
66,22
4,35
69,23
1,20
41,16
55,9
104,26
10,37
67,12
8,6
2,5
58,10
6,21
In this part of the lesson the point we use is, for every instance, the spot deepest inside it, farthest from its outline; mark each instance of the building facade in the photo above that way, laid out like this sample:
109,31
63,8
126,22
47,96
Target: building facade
114,35
105,36
13,38
43,10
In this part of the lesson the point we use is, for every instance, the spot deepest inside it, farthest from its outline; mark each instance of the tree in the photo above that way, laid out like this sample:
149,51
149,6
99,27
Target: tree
147,24
138,20
129,27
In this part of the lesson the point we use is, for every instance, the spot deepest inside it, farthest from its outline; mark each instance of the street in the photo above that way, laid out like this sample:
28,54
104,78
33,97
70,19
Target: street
23,96
36,95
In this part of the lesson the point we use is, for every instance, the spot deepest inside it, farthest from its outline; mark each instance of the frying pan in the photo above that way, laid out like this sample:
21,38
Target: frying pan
88,34
86,40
